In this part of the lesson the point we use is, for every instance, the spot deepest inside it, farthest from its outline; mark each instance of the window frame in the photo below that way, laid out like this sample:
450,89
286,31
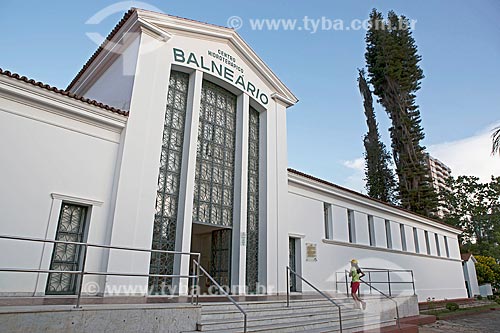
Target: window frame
351,226
415,240
388,233
371,231
402,231
82,234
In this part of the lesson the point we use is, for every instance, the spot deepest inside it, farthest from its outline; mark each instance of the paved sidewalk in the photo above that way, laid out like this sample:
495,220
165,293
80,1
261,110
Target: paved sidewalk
488,322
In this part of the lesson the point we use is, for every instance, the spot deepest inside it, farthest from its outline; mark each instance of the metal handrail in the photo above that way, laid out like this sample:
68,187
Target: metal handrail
387,296
82,271
369,270
288,270
200,268
386,269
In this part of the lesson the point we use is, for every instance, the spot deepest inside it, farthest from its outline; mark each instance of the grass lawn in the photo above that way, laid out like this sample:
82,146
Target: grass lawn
445,313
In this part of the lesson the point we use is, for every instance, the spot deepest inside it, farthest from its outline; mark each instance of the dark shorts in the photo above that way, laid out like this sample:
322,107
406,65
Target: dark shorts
354,287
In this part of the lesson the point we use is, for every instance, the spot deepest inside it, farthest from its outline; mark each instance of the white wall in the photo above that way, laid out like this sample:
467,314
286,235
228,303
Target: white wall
442,245
340,227
471,276
361,225
434,276
114,86
422,247
410,243
380,236
396,236
45,157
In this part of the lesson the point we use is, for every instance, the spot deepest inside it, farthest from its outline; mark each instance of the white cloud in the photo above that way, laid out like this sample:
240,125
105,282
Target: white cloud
355,181
357,164
469,156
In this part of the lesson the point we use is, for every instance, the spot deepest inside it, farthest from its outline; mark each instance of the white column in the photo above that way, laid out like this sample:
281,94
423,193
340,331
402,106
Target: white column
281,175
238,259
186,191
137,169
268,265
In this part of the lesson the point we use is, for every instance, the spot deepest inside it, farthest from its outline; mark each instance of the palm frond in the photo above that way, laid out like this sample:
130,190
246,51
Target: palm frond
495,137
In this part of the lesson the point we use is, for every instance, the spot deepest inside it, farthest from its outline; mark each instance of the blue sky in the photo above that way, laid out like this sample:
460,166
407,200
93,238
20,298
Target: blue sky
458,40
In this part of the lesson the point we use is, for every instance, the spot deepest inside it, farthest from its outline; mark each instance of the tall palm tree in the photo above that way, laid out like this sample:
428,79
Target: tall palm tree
495,138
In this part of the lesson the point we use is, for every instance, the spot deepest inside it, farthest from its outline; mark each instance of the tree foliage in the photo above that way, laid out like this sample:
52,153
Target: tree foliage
475,208
380,182
488,271
392,61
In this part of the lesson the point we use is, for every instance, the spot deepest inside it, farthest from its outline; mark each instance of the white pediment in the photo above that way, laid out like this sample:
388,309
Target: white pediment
219,51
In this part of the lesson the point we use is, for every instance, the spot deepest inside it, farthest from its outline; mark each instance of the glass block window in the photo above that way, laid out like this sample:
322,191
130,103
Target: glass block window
66,257
213,190
252,260
167,194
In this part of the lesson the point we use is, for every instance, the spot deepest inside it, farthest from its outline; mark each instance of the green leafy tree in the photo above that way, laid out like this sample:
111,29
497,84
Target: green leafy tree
488,271
392,61
475,208
380,182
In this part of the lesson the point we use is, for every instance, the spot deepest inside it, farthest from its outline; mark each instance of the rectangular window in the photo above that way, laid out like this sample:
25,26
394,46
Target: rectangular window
415,240
351,227
446,246
371,230
403,237
388,234
66,257
328,220
438,248
427,242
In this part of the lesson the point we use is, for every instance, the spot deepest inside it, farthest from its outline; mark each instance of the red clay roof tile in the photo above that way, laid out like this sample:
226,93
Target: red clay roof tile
62,92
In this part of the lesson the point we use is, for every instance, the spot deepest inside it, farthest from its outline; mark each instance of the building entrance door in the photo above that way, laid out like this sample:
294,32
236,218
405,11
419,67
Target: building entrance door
292,263
214,244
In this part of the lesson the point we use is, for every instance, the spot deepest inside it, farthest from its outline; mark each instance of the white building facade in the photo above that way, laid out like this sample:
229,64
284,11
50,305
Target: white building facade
469,267
196,162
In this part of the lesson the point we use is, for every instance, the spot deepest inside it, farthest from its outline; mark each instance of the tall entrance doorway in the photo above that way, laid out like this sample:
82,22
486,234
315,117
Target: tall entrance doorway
292,262
214,244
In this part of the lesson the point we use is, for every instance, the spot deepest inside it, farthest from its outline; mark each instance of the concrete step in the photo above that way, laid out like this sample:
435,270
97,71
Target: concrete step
227,306
274,319
349,324
207,315
314,315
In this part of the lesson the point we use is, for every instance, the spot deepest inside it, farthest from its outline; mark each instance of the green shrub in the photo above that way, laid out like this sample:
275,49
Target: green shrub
497,300
479,297
491,297
452,306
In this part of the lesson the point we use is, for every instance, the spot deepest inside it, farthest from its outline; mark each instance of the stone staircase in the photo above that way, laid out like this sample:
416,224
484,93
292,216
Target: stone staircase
304,315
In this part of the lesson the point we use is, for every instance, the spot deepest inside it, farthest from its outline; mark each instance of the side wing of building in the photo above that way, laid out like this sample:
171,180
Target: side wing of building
331,225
